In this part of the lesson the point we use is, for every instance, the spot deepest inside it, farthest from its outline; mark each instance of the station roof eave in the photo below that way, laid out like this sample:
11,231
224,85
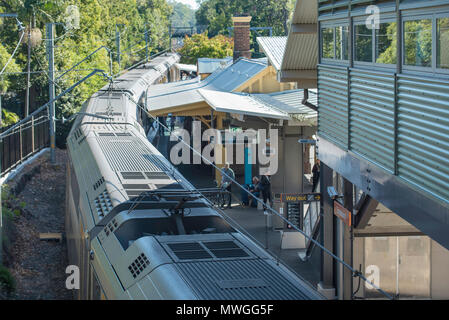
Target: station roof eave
299,59
274,48
240,104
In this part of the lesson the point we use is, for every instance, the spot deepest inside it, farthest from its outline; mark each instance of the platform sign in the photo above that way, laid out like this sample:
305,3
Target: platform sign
300,197
342,213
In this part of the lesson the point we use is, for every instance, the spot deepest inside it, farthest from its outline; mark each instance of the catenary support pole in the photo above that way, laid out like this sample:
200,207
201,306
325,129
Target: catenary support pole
117,43
51,77
147,43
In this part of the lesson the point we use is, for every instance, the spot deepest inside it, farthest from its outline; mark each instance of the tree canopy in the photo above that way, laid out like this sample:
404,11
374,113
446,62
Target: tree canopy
217,14
96,27
201,46
183,15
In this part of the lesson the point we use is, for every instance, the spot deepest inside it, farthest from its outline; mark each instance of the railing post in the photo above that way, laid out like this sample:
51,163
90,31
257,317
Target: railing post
51,77
32,134
21,143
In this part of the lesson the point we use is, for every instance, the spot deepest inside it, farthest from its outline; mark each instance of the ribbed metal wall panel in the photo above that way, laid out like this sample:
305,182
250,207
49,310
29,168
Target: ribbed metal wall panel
205,276
333,104
372,116
423,134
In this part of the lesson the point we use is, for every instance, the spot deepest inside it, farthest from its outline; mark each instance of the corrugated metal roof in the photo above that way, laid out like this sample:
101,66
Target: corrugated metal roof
301,51
290,102
306,11
244,279
180,93
209,65
274,48
240,103
293,99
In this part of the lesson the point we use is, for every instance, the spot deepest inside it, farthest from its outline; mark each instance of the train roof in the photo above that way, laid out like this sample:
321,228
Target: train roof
152,234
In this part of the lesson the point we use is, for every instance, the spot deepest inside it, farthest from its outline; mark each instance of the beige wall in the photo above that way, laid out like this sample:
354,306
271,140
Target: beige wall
439,272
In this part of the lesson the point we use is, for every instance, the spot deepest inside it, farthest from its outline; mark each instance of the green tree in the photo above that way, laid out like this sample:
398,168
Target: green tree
217,14
201,46
183,15
97,23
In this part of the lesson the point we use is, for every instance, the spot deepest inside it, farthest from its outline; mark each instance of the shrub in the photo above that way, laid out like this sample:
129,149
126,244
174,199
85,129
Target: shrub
7,281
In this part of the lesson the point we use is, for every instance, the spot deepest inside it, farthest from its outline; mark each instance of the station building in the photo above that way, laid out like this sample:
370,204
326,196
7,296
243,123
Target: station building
382,138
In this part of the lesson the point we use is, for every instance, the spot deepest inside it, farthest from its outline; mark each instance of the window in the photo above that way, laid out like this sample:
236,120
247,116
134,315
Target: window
335,43
363,43
375,45
386,49
418,43
341,42
327,34
443,43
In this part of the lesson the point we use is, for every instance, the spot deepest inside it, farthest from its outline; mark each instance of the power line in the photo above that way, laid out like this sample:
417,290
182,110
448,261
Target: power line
13,54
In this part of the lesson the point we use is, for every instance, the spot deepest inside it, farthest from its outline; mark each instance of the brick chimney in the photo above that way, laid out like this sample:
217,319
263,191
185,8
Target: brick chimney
241,36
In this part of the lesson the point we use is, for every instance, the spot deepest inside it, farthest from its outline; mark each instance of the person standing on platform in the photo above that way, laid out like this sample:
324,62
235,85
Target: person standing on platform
316,175
265,188
172,123
226,178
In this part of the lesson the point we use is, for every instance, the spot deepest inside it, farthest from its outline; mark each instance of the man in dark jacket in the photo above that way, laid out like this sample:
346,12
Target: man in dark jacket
265,188
316,174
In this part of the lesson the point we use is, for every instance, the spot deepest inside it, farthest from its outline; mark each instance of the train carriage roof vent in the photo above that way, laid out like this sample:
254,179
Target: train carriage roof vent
225,249
111,226
103,204
189,251
157,175
132,175
207,250
170,186
138,265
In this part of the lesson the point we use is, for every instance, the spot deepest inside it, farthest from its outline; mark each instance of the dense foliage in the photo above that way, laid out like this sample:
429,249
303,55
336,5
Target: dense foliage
183,15
201,46
97,27
217,14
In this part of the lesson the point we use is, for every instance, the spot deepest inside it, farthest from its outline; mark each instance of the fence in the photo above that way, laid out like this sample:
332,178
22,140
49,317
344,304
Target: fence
24,141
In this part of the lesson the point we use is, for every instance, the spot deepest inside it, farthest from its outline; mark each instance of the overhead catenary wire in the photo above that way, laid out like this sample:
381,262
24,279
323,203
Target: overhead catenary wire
13,54
355,273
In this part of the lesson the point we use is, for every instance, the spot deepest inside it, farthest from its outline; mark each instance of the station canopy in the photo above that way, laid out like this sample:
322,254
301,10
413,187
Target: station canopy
218,94
183,97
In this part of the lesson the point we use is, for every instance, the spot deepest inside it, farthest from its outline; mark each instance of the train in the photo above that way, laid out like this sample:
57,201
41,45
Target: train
137,229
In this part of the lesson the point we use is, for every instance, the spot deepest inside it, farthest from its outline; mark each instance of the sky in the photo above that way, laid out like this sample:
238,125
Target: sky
192,3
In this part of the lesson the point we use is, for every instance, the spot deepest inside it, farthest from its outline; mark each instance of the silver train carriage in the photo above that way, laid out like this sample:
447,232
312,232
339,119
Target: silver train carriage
135,226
